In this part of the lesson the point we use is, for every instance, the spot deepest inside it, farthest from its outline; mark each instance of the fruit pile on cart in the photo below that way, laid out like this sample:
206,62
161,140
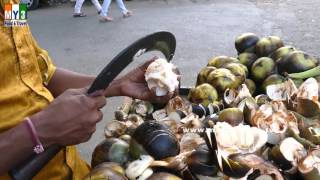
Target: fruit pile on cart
255,116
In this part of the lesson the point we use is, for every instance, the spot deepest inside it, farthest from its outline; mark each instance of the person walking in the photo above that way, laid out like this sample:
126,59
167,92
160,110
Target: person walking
79,3
105,7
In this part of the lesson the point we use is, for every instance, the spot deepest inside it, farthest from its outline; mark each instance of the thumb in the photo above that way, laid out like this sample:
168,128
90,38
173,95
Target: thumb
79,91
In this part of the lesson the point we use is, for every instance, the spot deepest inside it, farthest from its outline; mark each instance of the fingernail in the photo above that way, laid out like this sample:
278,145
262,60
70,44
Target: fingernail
97,93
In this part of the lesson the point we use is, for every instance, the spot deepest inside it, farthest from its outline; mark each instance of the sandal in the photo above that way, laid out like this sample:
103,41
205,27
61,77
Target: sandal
106,19
79,15
127,14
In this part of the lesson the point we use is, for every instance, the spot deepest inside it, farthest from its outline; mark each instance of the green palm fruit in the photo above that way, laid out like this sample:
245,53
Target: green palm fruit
282,52
262,68
222,79
246,42
204,72
219,61
295,62
268,45
247,59
203,94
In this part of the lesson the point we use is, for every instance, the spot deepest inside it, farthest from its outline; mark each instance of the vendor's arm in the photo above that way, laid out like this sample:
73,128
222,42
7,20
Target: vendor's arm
132,84
70,119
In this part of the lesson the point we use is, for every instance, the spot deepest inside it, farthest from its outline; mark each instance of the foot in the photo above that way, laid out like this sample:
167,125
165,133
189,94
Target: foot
79,15
127,14
106,19
99,12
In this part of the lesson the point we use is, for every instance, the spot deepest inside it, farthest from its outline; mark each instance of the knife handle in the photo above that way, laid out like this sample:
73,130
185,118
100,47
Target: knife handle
34,164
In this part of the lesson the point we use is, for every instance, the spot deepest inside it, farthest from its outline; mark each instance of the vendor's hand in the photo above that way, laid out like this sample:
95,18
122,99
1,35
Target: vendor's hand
134,85
70,119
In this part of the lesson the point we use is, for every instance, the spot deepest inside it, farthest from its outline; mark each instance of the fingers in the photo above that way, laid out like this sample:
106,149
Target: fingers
159,99
98,116
145,65
79,91
100,102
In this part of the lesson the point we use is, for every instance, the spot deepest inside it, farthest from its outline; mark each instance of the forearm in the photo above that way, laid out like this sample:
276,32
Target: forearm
64,79
15,146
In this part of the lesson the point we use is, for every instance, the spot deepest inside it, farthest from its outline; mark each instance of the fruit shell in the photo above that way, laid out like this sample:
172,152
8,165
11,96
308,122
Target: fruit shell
110,150
108,170
272,79
157,140
201,162
251,85
233,116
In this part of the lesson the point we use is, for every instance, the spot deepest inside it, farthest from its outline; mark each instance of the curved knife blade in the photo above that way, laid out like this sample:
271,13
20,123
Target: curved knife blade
164,42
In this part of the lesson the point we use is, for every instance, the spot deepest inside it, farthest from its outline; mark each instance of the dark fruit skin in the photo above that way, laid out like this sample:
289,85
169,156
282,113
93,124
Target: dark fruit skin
222,79
272,79
219,61
203,94
246,42
233,116
268,45
277,157
110,150
203,74
157,140
282,52
247,59
233,168
262,68
107,170
296,61
250,85
163,176
202,162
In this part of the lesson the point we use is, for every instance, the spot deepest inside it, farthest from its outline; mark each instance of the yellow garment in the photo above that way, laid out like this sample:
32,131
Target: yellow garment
25,68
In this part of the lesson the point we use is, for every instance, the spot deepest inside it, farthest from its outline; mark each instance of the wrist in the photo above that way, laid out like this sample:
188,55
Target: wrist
114,89
40,126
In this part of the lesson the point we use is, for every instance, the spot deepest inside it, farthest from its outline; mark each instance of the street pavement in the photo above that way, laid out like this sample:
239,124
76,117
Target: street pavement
203,29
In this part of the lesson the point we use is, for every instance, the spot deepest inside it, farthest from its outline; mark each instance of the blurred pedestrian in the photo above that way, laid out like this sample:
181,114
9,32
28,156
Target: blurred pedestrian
79,3
105,7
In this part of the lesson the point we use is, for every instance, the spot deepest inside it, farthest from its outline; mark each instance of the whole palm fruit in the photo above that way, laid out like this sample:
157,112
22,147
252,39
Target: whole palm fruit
203,94
203,74
272,79
282,52
239,70
222,79
296,61
262,68
246,42
219,61
268,45
247,59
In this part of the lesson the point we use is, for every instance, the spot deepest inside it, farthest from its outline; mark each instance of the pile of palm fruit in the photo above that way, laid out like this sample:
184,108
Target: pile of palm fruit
256,116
